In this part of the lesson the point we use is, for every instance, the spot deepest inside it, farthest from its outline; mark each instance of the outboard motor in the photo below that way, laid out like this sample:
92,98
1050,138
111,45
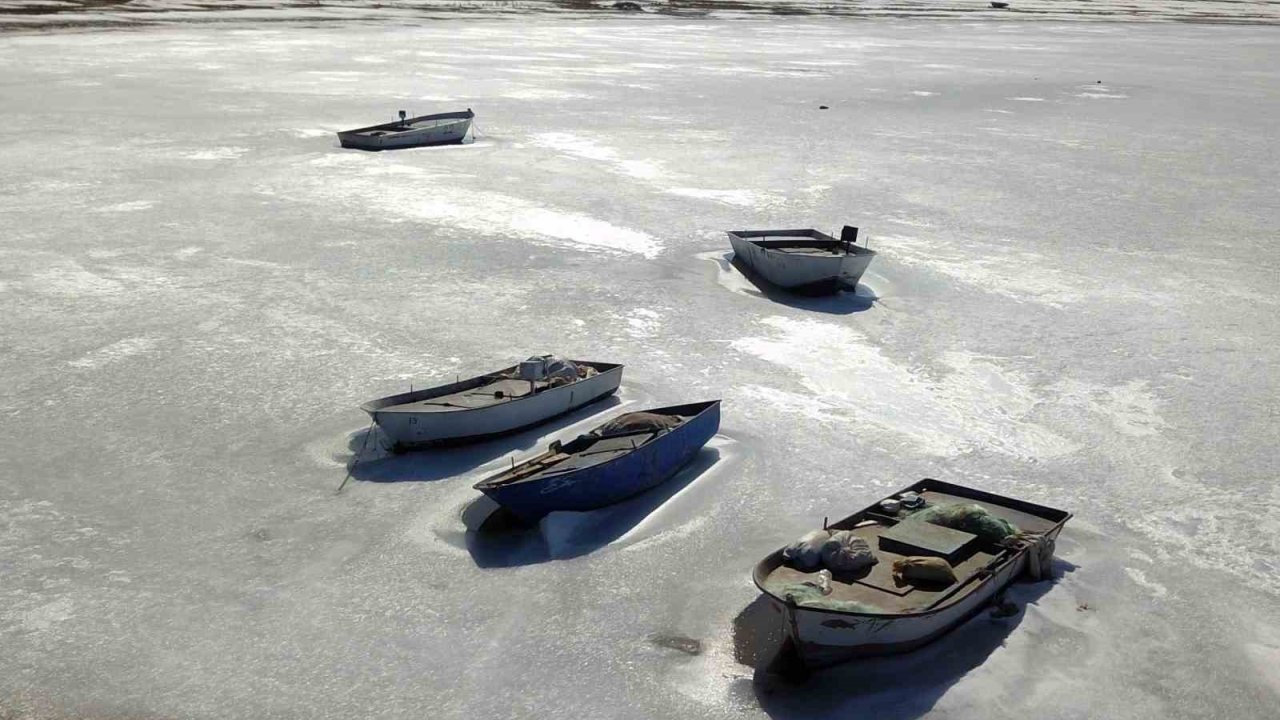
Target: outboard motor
402,114
535,368
849,236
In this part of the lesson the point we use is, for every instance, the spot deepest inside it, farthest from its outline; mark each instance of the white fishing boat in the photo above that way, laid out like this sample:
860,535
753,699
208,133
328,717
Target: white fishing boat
803,261
875,605
439,129
494,404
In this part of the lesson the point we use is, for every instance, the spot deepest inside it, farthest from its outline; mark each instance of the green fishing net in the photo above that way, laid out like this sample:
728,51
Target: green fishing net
969,518
808,595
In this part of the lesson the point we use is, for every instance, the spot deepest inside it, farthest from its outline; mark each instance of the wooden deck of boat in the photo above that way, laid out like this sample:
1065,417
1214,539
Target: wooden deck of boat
477,397
598,453
820,251
394,128
876,587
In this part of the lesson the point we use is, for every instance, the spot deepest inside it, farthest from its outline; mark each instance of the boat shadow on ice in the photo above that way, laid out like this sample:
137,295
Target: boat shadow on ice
743,280
370,461
890,687
496,538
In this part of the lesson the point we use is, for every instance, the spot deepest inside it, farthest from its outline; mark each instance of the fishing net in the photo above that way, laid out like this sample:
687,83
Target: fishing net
638,422
808,595
970,518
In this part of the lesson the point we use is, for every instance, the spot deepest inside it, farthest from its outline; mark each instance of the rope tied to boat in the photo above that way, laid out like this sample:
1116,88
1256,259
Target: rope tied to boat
1039,548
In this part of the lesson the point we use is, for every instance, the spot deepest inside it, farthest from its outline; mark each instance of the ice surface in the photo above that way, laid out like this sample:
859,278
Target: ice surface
1074,302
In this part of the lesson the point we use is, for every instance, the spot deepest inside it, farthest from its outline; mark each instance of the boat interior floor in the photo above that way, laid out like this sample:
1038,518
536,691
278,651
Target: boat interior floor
597,453
823,251
876,586
494,392
424,125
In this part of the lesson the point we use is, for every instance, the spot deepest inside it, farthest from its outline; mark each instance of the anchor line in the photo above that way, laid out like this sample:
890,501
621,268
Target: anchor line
359,455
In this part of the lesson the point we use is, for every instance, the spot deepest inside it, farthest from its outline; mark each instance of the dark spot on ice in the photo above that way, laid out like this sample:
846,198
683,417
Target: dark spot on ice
628,6
686,645
823,107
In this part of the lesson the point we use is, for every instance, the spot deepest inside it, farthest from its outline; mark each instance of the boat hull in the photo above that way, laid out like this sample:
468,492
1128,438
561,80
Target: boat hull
804,274
449,134
822,638
409,430
594,487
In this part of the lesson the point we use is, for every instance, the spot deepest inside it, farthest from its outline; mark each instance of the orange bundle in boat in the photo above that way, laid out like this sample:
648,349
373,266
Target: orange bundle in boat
923,569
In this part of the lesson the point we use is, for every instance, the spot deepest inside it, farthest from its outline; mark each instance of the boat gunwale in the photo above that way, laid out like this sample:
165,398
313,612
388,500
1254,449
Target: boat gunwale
403,125
952,598
758,238
492,481
385,404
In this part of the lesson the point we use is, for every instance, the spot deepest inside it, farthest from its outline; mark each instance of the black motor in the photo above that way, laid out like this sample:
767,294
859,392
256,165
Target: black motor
849,235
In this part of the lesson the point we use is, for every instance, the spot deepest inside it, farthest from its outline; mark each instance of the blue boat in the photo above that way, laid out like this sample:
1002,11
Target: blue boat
624,457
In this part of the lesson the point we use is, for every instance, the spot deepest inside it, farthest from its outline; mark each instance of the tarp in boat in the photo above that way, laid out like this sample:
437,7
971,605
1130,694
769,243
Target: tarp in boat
846,552
806,553
923,569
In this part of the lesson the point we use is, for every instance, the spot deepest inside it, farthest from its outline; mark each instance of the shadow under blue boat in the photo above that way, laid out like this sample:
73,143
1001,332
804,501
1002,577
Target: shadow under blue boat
892,687
845,302
495,538
371,462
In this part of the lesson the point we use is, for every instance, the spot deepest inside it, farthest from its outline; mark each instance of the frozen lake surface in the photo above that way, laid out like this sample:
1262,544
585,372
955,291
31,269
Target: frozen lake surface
1075,303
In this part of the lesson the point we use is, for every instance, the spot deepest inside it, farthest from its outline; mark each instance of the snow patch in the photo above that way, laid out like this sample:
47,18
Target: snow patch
68,278
587,149
47,615
115,351
1130,408
641,322
479,211
974,405
219,153
132,206
542,94
738,198
1139,577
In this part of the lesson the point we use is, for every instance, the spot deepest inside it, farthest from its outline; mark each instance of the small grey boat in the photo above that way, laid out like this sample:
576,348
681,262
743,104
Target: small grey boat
804,261
439,129
494,404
